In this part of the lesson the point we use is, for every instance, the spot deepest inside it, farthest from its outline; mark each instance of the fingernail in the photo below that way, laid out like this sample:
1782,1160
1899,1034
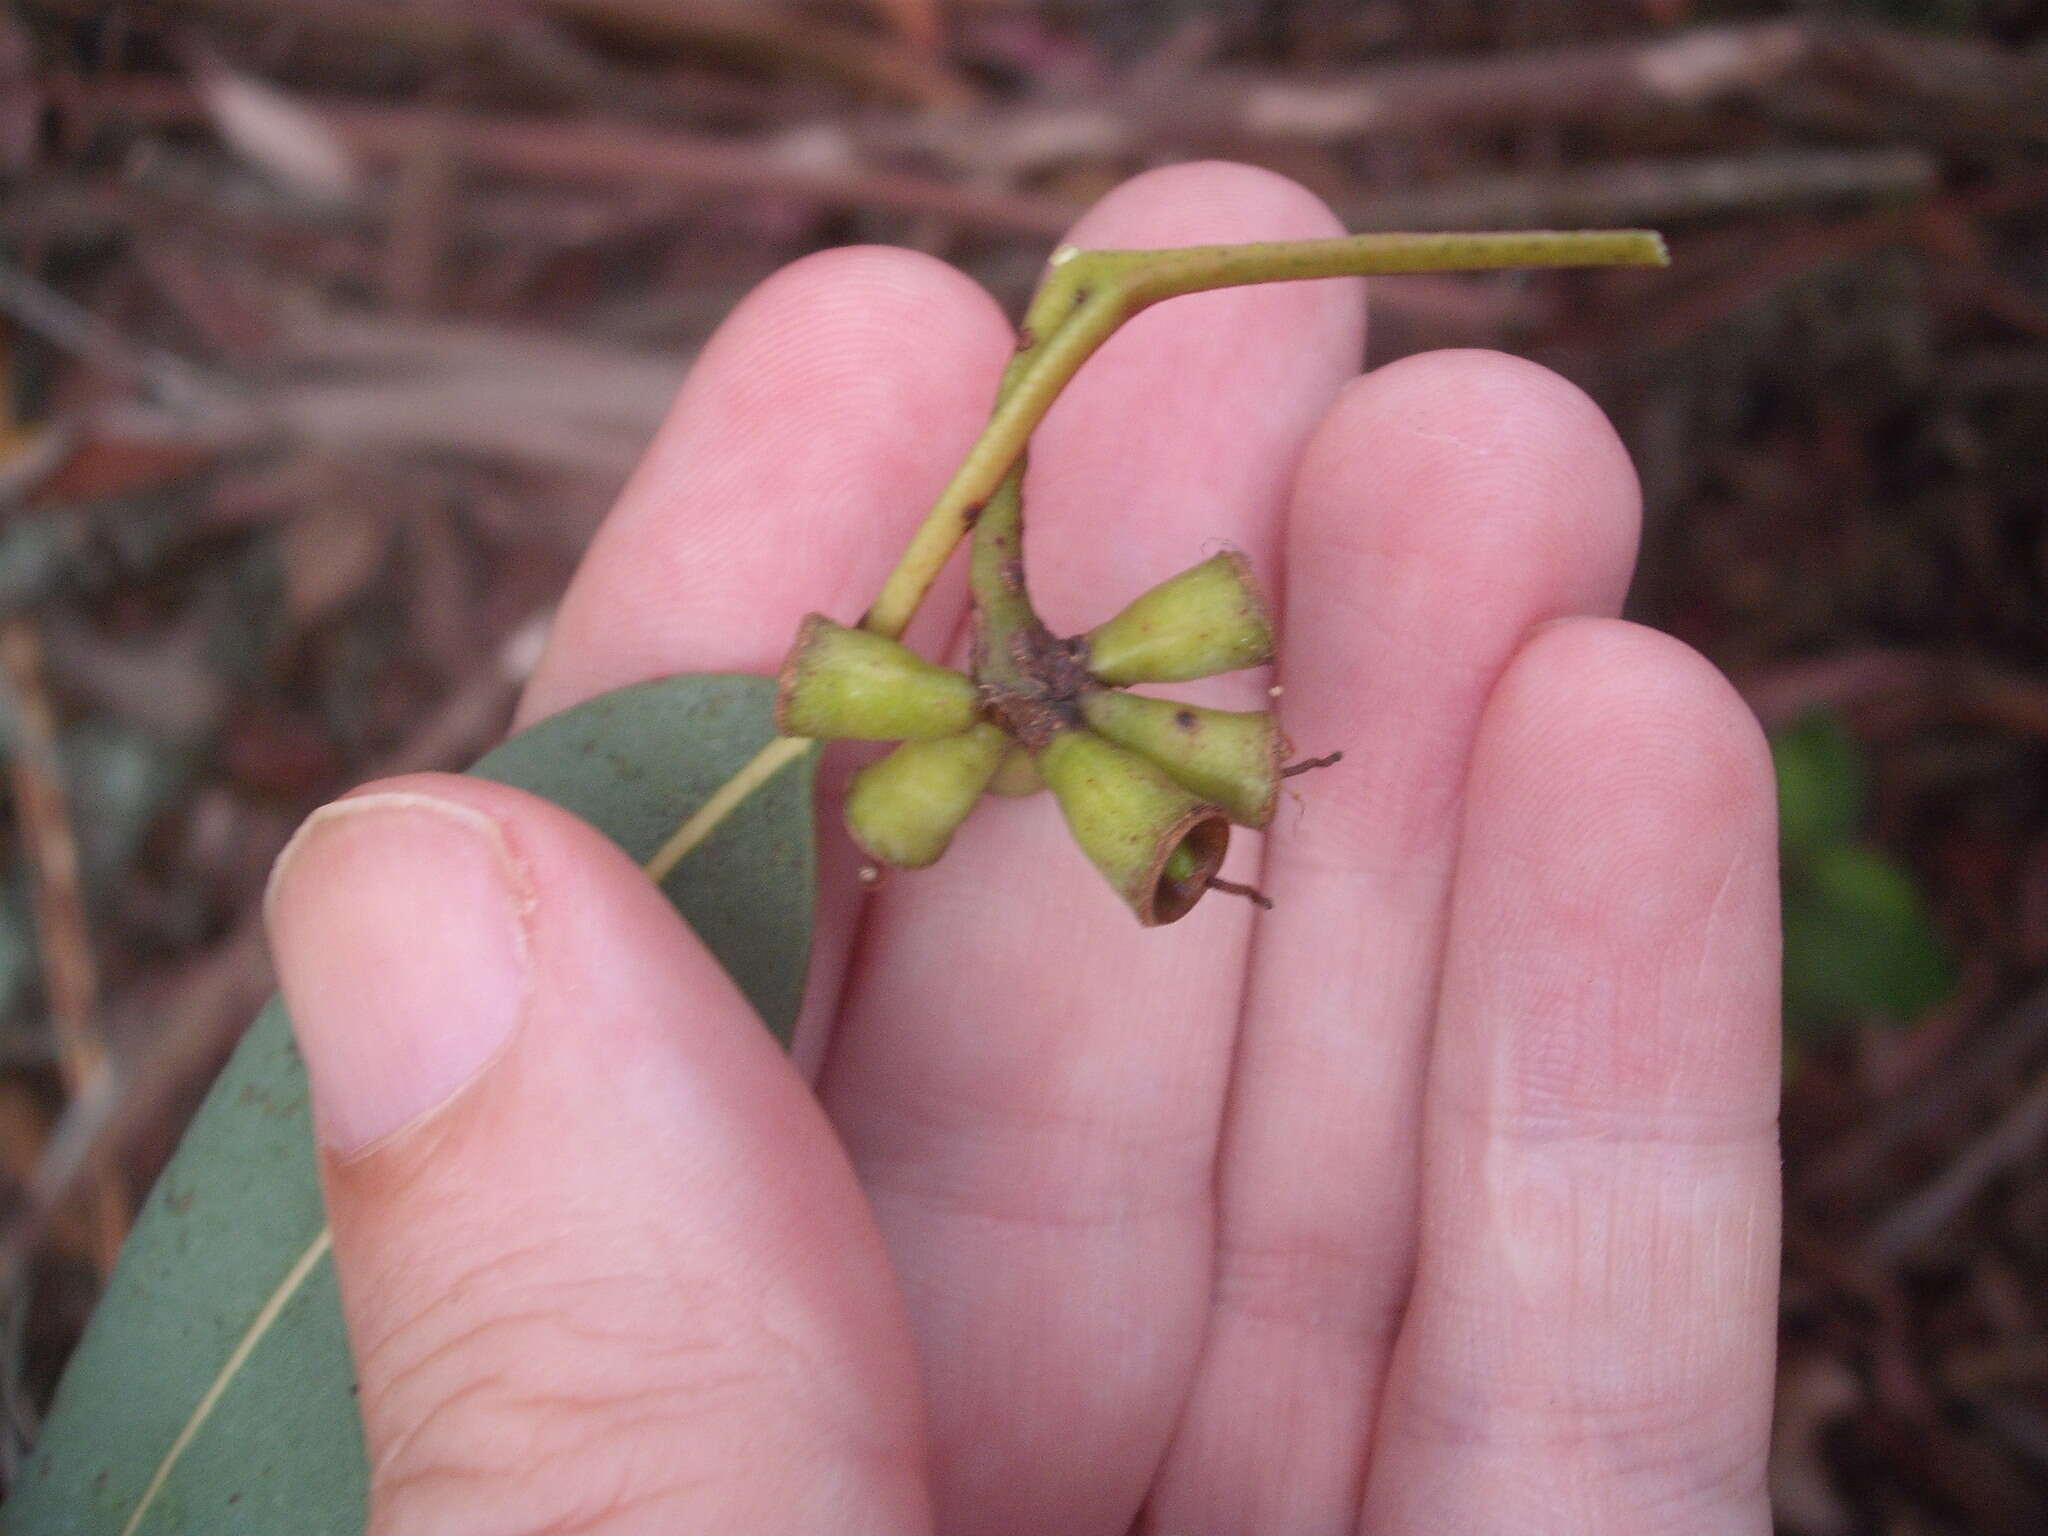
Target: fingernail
397,922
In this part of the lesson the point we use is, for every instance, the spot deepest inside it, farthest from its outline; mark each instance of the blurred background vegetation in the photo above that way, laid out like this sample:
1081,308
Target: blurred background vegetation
329,328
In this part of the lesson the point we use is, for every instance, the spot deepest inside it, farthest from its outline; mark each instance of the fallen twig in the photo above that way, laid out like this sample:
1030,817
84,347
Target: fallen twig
1578,83
1995,1055
2015,1138
823,165
1653,191
1961,91
42,309
70,978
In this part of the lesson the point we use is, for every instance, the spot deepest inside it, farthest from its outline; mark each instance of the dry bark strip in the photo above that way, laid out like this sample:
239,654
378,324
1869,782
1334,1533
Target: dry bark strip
70,978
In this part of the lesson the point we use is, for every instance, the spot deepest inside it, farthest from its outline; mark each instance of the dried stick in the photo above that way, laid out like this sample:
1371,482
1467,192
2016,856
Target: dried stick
1994,1055
1903,85
825,164
1653,191
509,43
37,307
2013,1140
588,151
1576,83
69,976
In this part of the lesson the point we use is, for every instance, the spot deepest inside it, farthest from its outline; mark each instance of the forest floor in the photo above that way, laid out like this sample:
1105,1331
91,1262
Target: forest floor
330,329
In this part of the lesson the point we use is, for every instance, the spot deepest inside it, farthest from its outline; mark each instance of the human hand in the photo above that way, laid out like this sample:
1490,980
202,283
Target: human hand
1443,1197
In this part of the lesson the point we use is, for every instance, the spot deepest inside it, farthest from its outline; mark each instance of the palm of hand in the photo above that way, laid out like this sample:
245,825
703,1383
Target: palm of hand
1443,1195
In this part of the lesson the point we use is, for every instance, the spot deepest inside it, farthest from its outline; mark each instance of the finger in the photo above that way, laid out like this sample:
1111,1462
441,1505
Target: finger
1030,1084
1447,503
1589,1347
816,428
603,1264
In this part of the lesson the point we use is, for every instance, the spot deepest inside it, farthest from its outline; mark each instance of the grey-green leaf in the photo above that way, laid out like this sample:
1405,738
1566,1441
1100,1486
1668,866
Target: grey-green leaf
213,1392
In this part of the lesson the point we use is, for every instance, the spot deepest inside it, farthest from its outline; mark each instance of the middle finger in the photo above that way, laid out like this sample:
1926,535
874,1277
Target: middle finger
1447,504
1029,1084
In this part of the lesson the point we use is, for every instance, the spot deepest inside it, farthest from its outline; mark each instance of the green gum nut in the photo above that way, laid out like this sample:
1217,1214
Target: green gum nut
1018,776
1228,758
1155,843
1205,620
904,808
843,684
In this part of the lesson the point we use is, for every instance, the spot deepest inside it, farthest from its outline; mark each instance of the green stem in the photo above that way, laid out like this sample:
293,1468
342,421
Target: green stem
997,457
1002,607
1149,276
996,569
1088,294
1085,296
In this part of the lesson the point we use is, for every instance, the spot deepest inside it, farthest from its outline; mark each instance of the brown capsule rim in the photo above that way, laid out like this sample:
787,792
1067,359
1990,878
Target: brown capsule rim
1207,829
792,667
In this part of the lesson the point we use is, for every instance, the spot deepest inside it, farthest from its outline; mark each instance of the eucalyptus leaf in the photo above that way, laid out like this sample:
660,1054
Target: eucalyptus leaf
213,1391
1859,942
1820,782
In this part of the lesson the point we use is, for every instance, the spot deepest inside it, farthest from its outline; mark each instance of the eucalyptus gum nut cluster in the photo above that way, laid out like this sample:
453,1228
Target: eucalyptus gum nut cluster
843,684
1148,787
1156,844
1206,620
904,808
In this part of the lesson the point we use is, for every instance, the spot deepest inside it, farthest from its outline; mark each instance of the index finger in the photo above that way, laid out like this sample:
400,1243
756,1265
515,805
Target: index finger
818,425
821,420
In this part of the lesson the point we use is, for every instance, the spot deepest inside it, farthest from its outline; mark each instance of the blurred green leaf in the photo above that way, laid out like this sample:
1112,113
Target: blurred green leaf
1820,782
214,1392
1858,941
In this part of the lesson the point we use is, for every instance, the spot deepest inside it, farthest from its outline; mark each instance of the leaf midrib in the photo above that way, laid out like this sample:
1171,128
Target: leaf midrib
266,1317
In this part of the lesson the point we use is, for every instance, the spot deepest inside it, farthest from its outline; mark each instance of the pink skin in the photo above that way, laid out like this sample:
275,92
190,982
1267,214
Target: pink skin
1443,1197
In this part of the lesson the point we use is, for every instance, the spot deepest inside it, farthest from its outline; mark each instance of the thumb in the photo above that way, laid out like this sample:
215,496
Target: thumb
604,1266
